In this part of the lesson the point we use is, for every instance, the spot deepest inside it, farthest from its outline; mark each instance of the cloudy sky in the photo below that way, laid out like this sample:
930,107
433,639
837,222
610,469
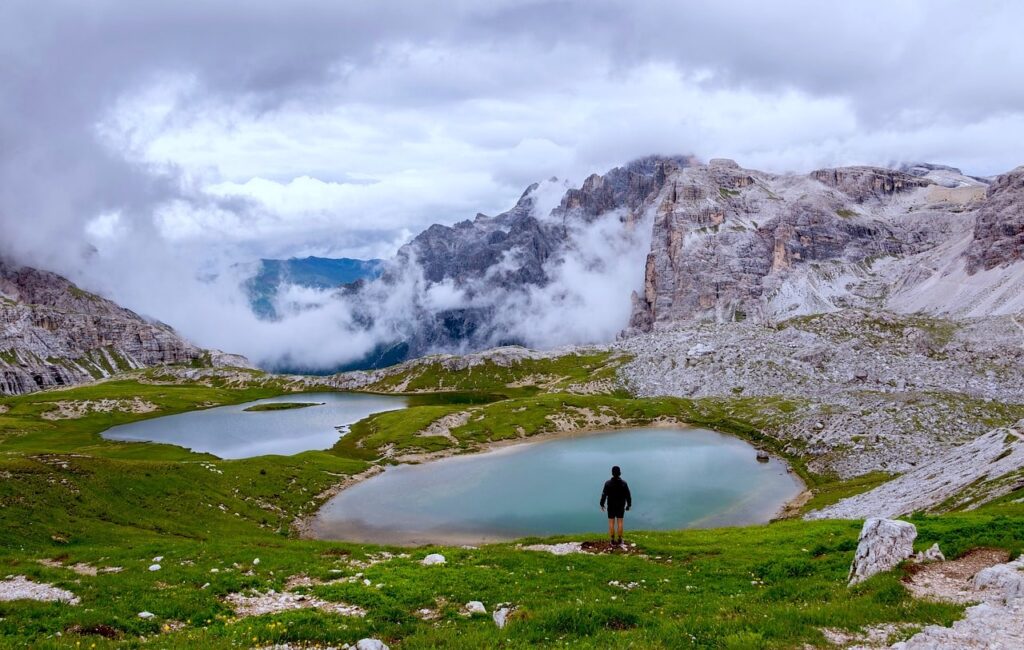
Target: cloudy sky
175,138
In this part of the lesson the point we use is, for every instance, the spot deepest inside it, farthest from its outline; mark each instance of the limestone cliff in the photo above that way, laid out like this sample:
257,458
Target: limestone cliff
54,334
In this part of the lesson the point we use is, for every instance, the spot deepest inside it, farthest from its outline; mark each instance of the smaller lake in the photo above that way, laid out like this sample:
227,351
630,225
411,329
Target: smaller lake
679,478
232,432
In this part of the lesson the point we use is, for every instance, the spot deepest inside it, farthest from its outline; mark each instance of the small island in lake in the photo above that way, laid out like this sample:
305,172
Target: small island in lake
282,406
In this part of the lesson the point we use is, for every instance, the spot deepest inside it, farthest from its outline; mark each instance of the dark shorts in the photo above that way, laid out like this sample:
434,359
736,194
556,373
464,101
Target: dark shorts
616,510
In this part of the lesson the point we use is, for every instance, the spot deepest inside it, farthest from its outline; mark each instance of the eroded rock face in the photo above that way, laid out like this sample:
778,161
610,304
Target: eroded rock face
999,229
54,334
883,544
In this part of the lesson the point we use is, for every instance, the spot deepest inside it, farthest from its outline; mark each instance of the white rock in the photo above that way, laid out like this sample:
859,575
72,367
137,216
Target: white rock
154,567
1007,578
565,548
433,558
371,644
256,562
146,615
883,544
158,558
501,616
933,554
475,607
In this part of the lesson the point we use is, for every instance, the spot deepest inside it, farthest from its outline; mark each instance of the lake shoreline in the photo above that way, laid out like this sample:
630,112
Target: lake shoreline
304,527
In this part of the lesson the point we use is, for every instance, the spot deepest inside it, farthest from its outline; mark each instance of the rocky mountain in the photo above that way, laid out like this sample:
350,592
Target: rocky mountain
55,334
467,284
730,243
722,244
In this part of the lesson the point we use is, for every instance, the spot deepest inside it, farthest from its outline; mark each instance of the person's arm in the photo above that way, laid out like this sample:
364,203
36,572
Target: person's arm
629,497
604,495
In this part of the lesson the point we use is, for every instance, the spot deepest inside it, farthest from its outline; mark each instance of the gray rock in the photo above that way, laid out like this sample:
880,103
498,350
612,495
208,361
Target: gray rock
500,616
433,559
475,607
883,544
1007,579
54,334
371,644
933,554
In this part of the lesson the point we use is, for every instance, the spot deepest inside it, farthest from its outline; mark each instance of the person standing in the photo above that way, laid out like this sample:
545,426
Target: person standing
616,494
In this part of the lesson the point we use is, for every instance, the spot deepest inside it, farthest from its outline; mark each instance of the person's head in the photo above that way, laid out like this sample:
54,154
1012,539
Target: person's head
616,472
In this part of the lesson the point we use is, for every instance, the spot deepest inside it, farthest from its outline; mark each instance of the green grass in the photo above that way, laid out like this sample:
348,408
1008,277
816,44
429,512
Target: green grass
524,378
282,406
67,494
846,213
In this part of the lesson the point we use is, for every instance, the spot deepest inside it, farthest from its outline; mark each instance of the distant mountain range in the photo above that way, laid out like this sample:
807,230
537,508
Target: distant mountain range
692,243
719,243
325,273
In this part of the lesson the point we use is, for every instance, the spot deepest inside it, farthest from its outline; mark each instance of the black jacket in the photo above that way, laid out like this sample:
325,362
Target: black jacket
616,493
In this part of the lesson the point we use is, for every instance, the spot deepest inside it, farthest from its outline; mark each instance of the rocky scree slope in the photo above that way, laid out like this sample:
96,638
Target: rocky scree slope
55,334
868,390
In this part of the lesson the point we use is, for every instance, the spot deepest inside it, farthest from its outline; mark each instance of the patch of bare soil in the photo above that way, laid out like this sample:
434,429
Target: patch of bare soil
952,580
74,409
272,602
605,547
873,636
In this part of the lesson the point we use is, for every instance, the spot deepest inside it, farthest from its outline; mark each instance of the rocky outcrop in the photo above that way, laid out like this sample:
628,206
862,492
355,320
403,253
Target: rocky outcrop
863,183
999,230
54,334
965,477
883,544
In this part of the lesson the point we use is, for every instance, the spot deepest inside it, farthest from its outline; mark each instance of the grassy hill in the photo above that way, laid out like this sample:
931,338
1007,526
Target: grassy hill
68,497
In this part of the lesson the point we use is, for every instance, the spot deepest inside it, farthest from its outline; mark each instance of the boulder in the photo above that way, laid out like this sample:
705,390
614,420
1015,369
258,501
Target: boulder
883,544
433,558
500,616
1006,578
371,644
475,607
933,554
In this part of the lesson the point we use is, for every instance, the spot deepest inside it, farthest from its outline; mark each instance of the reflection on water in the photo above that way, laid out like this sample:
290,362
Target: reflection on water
679,478
231,432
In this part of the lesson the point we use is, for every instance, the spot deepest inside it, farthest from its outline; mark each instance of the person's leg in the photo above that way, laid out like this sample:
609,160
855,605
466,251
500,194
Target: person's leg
611,528
620,522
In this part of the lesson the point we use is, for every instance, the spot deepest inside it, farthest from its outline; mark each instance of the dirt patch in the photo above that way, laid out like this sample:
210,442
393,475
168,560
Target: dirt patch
4,408
273,602
74,409
951,580
607,548
873,636
81,568
102,630
21,588
443,426
591,547
575,418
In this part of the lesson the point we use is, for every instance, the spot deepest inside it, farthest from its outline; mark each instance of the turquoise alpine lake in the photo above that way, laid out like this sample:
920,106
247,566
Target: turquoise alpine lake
679,478
233,432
